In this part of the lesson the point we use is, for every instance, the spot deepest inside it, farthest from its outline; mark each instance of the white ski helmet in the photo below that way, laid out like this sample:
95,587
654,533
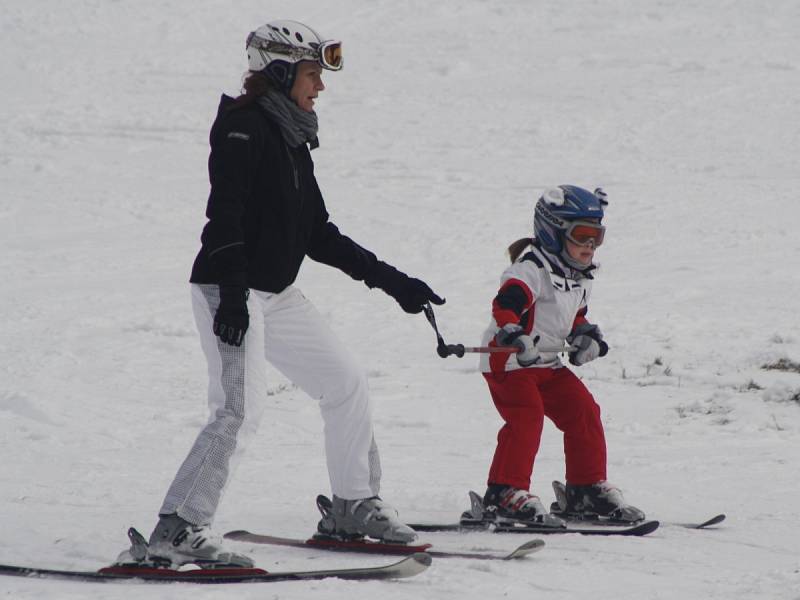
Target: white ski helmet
275,49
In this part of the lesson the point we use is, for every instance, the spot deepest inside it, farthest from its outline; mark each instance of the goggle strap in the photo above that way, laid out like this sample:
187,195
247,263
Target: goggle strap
294,52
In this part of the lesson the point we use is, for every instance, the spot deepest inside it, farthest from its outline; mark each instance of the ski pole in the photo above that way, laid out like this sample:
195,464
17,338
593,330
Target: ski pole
444,350
461,349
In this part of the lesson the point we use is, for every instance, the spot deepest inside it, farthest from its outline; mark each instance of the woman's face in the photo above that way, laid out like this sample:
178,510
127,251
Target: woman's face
307,85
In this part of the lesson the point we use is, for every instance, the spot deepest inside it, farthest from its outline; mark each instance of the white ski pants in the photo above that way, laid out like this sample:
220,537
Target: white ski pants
286,330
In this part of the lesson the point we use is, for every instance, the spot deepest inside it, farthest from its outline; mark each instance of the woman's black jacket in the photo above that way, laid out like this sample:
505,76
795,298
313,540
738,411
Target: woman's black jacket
266,213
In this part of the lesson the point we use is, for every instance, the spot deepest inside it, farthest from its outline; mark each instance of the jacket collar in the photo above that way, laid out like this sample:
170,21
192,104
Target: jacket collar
559,267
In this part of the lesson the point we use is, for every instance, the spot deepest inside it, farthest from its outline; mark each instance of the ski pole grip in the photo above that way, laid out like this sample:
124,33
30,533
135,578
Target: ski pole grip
445,350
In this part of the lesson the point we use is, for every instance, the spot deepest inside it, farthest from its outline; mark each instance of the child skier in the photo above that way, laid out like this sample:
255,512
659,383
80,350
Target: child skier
542,301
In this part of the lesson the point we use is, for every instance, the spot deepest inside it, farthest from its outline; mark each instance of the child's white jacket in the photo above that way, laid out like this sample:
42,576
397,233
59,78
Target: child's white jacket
543,295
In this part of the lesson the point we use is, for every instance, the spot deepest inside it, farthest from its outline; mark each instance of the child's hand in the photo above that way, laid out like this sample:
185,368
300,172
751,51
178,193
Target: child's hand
588,342
513,335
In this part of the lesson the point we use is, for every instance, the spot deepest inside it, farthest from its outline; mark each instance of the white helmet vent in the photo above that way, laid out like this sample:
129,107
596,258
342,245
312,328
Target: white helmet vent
554,196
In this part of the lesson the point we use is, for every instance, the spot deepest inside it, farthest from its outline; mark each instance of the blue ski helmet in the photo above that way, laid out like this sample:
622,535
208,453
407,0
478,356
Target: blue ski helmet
559,206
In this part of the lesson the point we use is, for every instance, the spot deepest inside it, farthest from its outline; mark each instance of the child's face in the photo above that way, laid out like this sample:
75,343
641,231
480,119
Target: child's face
581,254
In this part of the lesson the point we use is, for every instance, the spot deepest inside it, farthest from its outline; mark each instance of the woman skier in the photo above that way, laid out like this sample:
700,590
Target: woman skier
265,215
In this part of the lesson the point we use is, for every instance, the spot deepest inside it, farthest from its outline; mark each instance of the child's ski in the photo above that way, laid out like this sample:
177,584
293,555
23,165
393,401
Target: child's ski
559,508
478,518
637,529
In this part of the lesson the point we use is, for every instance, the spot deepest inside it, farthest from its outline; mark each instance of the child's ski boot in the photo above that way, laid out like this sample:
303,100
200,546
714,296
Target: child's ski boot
513,505
593,501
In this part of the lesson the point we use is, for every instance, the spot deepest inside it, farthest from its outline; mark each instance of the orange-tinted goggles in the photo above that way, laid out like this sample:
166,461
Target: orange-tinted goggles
583,233
330,55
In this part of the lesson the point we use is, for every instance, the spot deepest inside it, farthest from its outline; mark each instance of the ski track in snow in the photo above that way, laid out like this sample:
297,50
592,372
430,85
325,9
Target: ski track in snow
437,137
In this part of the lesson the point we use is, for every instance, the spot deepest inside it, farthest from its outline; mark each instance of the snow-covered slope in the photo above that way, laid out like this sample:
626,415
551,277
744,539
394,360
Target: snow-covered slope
437,137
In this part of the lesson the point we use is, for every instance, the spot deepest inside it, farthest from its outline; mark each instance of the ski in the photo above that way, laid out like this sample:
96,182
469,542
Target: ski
715,520
637,529
134,564
371,547
408,567
478,518
573,521
558,508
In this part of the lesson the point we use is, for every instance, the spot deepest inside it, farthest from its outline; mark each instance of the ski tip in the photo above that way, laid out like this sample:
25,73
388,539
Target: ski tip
715,520
645,528
526,548
421,558
408,567
537,544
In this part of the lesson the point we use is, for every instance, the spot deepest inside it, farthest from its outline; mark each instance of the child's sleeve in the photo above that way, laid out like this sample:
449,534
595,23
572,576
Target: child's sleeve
517,294
580,317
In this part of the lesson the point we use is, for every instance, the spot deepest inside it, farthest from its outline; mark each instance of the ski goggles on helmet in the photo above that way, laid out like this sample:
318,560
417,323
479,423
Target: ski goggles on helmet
328,53
585,232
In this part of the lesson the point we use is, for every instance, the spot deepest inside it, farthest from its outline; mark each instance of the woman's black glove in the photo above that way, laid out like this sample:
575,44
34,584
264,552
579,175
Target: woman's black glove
411,294
232,319
415,294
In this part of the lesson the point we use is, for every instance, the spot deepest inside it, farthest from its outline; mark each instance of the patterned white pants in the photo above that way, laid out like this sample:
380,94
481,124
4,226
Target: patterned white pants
286,330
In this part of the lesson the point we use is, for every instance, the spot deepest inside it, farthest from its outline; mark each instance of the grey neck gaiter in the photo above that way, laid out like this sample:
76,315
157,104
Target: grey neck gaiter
297,125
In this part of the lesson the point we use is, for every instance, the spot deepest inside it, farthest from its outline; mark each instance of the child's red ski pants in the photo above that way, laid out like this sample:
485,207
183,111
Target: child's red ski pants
523,398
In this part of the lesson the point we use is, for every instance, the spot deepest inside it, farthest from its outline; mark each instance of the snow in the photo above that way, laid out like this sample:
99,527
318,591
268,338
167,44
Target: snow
446,122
